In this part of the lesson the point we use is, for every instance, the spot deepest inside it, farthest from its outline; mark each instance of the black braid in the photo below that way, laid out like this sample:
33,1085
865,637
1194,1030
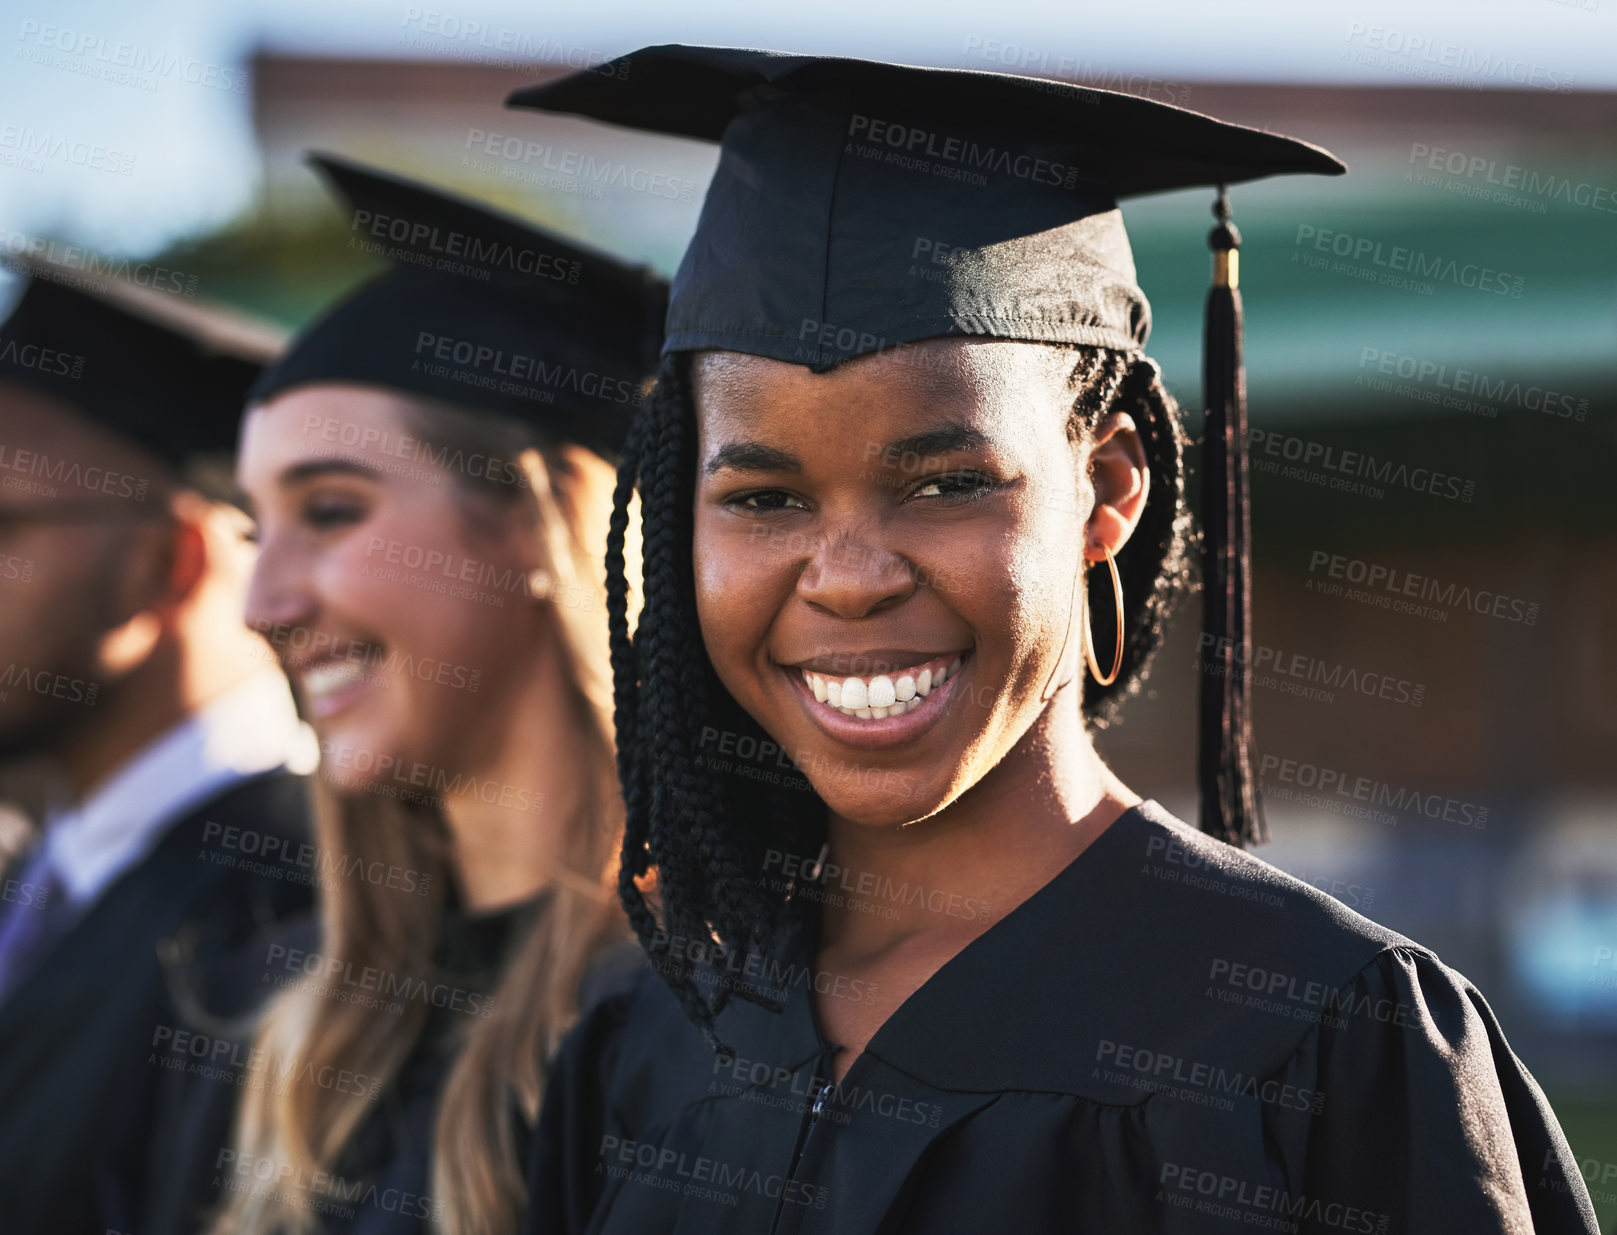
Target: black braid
676,816
704,834
1155,564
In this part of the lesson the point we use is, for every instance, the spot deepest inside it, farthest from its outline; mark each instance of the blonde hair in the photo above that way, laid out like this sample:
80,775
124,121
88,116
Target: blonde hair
477,1181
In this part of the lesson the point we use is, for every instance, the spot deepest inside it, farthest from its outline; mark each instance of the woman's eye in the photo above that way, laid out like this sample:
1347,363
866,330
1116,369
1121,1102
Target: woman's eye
325,515
766,499
955,486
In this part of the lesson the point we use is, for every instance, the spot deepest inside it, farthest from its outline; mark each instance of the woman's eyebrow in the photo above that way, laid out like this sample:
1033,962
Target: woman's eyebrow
752,457
301,473
941,439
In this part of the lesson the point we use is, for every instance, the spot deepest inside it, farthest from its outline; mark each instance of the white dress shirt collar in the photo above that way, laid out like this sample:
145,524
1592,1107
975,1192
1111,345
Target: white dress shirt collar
250,729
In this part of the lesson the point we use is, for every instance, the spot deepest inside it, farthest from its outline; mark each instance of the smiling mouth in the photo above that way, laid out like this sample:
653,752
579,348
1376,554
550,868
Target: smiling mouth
883,694
327,682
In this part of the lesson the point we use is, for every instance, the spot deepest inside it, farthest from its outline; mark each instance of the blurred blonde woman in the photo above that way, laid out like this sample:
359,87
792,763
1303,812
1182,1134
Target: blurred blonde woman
428,468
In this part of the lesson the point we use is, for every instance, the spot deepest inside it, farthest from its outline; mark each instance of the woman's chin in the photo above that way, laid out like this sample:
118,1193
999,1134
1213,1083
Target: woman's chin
889,806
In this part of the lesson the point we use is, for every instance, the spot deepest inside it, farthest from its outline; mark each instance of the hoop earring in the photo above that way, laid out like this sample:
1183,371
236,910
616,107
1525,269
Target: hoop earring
1089,635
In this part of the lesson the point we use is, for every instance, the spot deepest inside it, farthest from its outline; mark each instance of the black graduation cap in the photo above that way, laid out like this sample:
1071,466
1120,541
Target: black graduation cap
161,369
858,206
484,310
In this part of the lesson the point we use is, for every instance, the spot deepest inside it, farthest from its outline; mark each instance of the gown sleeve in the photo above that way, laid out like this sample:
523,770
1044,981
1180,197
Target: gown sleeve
563,1183
1427,1121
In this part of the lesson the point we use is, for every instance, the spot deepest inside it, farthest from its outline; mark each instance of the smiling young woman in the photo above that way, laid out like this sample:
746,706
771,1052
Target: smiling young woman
933,968
429,574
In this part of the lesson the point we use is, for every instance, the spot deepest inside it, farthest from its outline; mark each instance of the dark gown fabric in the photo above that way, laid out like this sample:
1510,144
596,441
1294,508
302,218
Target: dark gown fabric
382,1182
86,1036
1171,1036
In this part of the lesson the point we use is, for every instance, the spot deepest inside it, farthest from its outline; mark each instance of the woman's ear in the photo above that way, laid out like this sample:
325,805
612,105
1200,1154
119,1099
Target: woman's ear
1121,480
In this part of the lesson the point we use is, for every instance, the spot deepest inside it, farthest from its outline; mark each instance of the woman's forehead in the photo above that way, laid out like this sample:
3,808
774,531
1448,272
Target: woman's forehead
965,375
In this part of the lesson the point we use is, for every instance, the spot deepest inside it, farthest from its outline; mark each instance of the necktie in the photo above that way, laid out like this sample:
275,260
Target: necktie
34,913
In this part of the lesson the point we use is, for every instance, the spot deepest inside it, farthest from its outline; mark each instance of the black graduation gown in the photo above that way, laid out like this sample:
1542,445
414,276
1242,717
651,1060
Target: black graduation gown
1171,1036
383,1181
387,1167
84,1034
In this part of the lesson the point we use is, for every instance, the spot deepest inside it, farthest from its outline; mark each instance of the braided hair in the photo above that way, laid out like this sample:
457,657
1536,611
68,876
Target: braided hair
701,835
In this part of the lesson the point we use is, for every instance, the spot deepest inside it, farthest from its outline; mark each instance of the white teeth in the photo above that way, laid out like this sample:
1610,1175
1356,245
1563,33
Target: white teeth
331,676
881,696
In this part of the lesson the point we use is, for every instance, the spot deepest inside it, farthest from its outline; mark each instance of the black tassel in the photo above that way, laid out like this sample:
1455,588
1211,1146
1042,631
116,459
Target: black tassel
1229,796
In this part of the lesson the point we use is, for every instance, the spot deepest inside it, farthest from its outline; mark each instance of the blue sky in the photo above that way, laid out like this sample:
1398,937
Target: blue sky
125,167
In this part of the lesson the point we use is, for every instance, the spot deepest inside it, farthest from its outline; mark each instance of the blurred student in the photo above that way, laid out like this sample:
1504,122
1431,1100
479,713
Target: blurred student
429,469
163,723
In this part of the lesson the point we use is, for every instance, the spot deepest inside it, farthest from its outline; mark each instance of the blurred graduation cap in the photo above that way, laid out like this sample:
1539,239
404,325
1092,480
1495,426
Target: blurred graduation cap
858,206
482,310
160,369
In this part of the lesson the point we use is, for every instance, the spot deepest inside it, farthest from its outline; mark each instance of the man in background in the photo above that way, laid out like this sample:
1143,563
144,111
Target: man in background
174,760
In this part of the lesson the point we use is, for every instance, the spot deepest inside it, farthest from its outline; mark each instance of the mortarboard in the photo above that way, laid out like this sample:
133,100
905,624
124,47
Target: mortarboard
482,310
858,206
164,371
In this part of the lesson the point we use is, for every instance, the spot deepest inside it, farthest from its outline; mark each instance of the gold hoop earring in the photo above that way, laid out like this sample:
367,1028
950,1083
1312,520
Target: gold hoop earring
1089,635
